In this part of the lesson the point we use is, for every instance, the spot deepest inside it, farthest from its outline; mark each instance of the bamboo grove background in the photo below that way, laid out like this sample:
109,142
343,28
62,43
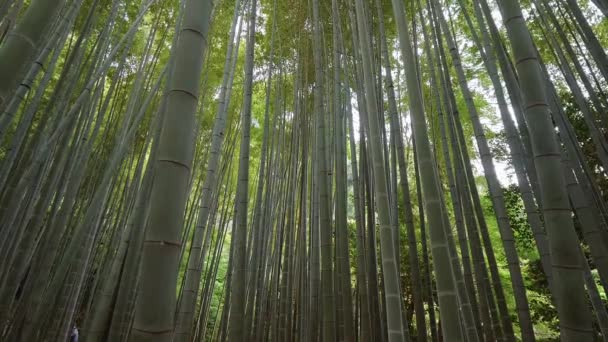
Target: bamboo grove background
291,170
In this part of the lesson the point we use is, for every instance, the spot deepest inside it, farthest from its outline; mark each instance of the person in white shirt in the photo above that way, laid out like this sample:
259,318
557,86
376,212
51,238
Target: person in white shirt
74,334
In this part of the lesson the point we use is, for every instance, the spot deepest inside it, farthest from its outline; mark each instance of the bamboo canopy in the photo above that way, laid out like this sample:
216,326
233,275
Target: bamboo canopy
284,170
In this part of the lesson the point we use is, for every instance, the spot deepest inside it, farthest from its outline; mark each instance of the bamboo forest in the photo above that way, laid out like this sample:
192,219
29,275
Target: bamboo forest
303,170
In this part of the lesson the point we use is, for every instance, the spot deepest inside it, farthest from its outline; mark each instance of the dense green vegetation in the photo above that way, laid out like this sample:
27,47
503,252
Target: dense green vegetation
319,170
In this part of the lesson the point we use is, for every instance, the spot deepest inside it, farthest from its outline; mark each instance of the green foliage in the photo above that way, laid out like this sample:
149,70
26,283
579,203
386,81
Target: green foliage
542,310
586,144
519,223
